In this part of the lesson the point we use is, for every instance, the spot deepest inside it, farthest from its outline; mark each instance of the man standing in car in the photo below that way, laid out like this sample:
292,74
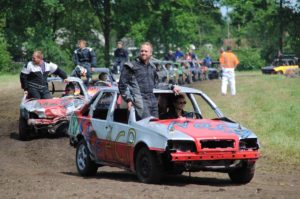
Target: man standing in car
34,75
86,57
137,81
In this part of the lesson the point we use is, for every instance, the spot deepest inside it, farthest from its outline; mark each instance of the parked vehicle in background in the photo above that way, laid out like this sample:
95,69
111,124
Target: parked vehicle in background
51,115
280,66
213,71
104,133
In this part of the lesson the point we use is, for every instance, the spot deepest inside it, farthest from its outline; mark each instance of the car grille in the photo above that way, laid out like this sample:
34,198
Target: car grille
181,146
212,144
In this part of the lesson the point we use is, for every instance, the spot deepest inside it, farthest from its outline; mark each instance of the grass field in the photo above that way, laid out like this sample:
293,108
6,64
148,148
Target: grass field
269,105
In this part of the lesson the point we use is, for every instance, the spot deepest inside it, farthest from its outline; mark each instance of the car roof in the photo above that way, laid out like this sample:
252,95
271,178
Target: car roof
158,91
100,70
58,79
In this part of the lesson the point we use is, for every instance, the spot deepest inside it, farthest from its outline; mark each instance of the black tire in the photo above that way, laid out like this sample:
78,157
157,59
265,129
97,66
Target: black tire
85,166
62,130
147,166
243,174
23,129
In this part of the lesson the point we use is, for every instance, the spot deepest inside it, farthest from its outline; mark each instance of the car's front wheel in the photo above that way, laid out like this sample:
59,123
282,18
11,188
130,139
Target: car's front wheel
23,128
84,163
148,168
242,175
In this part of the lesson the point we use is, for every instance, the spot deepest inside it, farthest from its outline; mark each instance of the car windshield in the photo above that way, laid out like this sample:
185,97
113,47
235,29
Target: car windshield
169,105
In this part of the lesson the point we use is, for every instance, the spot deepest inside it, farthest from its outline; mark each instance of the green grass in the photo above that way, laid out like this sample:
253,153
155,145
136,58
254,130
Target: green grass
269,105
8,83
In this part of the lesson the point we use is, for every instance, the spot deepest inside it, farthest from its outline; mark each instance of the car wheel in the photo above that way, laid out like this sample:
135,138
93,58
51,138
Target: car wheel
23,129
62,130
85,166
147,166
243,174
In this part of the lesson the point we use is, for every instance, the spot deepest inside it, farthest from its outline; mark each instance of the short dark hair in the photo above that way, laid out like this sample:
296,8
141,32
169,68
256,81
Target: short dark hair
70,86
177,97
101,75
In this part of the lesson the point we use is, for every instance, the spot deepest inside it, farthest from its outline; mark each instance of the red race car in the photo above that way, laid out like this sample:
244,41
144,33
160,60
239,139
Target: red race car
104,133
52,115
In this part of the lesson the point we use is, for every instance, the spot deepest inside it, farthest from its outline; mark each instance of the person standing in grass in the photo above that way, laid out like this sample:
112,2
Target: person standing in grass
228,62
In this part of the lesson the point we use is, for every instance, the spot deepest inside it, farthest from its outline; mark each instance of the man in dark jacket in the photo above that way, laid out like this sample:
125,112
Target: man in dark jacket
34,75
137,81
120,56
86,57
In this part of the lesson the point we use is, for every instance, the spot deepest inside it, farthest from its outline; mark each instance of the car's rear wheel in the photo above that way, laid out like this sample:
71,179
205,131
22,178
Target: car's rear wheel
242,175
23,128
147,166
85,165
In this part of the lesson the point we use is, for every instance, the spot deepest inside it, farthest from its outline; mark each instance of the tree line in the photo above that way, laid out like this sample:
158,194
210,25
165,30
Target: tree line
257,29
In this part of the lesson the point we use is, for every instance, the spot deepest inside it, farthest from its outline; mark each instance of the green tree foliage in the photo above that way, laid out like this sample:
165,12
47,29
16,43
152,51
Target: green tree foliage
263,22
55,26
5,59
250,59
169,23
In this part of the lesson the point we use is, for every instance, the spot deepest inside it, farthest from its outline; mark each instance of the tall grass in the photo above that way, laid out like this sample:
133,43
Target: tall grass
269,105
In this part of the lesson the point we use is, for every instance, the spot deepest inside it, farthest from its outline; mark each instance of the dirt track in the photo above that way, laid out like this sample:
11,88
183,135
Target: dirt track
45,168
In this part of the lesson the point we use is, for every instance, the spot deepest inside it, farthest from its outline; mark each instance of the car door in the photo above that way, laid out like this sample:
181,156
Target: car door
101,122
123,135
111,127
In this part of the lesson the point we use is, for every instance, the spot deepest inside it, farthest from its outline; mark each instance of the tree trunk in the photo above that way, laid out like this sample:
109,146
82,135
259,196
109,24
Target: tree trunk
106,31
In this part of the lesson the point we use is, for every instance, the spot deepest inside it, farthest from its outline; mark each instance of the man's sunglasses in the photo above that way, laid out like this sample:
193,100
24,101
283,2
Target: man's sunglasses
182,102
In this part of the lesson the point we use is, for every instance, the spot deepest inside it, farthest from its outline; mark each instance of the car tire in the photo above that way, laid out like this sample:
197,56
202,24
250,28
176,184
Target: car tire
62,130
85,165
242,175
23,129
147,166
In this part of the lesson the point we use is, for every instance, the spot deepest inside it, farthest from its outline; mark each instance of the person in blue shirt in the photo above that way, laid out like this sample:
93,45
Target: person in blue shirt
178,54
207,61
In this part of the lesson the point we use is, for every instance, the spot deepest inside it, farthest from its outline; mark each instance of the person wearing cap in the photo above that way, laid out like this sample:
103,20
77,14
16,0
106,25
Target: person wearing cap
228,62
85,57
34,75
